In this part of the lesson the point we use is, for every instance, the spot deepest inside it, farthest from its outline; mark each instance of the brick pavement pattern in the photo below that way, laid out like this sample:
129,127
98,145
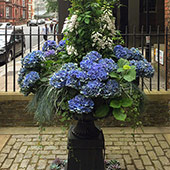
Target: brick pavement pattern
34,152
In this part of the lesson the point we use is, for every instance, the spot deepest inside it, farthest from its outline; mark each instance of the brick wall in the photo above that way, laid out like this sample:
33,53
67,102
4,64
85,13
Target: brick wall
13,111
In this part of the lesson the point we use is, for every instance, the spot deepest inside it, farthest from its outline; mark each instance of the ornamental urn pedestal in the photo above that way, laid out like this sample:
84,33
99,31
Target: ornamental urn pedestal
85,146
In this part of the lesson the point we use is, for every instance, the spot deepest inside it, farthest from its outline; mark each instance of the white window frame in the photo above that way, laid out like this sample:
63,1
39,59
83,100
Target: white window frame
24,14
7,12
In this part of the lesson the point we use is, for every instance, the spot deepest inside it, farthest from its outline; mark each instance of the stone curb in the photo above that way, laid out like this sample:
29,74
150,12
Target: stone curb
151,95
54,130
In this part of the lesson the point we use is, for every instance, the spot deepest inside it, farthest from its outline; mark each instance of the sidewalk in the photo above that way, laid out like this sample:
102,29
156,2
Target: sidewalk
21,149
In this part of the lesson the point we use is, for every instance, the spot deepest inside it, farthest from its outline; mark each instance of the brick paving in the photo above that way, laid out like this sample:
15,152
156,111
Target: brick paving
24,151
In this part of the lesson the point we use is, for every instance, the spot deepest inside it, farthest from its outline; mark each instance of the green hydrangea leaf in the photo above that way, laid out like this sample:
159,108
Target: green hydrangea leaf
102,111
119,70
114,75
87,21
127,102
119,114
115,104
122,62
131,75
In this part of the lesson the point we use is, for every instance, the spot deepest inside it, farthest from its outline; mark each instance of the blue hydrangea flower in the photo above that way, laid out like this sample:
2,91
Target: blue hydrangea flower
21,75
58,80
120,52
74,78
33,59
80,104
69,66
49,45
92,89
97,72
62,43
49,53
86,65
108,64
110,89
93,56
135,54
30,79
143,68
61,46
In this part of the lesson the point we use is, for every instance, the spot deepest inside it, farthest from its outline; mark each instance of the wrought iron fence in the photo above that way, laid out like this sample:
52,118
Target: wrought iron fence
153,46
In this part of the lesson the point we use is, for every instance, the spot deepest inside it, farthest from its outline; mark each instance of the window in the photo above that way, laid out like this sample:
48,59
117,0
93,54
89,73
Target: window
29,7
23,14
7,12
23,3
152,5
16,12
29,15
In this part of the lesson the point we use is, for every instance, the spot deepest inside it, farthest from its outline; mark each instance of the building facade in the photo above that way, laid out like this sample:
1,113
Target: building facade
39,8
30,9
14,11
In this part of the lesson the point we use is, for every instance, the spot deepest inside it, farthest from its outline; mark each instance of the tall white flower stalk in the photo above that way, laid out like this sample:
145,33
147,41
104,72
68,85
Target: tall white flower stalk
100,39
70,24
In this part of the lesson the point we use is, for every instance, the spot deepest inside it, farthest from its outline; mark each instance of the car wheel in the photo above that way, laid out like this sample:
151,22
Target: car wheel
10,56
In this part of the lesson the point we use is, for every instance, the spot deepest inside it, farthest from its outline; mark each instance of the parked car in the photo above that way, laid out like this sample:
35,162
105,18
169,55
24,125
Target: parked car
14,39
41,21
33,22
3,25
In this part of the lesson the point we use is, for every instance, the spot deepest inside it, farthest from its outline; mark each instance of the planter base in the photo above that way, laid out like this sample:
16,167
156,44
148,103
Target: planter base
85,154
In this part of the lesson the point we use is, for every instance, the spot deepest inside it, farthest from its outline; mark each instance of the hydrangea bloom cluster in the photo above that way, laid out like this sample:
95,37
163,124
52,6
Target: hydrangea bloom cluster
110,88
29,73
143,67
29,82
49,45
123,52
61,46
33,59
49,53
81,104
21,75
91,79
58,80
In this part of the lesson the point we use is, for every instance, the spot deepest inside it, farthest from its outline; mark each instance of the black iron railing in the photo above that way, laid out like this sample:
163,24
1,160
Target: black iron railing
150,45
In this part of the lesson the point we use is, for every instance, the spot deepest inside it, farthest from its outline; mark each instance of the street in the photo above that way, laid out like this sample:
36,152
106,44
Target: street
34,36
11,77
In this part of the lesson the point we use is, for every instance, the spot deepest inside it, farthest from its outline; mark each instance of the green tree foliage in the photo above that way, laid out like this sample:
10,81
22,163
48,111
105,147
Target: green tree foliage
52,5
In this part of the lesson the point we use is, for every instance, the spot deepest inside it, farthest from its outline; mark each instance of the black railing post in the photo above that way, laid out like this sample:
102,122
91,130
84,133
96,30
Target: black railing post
142,44
166,60
14,61
38,38
23,43
126,36
158,42
30,39
150,58
147,30
134,36
6,66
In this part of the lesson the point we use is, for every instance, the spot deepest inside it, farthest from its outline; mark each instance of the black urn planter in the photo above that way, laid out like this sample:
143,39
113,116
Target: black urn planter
85,145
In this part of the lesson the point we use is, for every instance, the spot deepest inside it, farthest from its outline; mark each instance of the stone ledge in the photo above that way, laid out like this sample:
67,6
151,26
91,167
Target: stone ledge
59,130
153,95
8,96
